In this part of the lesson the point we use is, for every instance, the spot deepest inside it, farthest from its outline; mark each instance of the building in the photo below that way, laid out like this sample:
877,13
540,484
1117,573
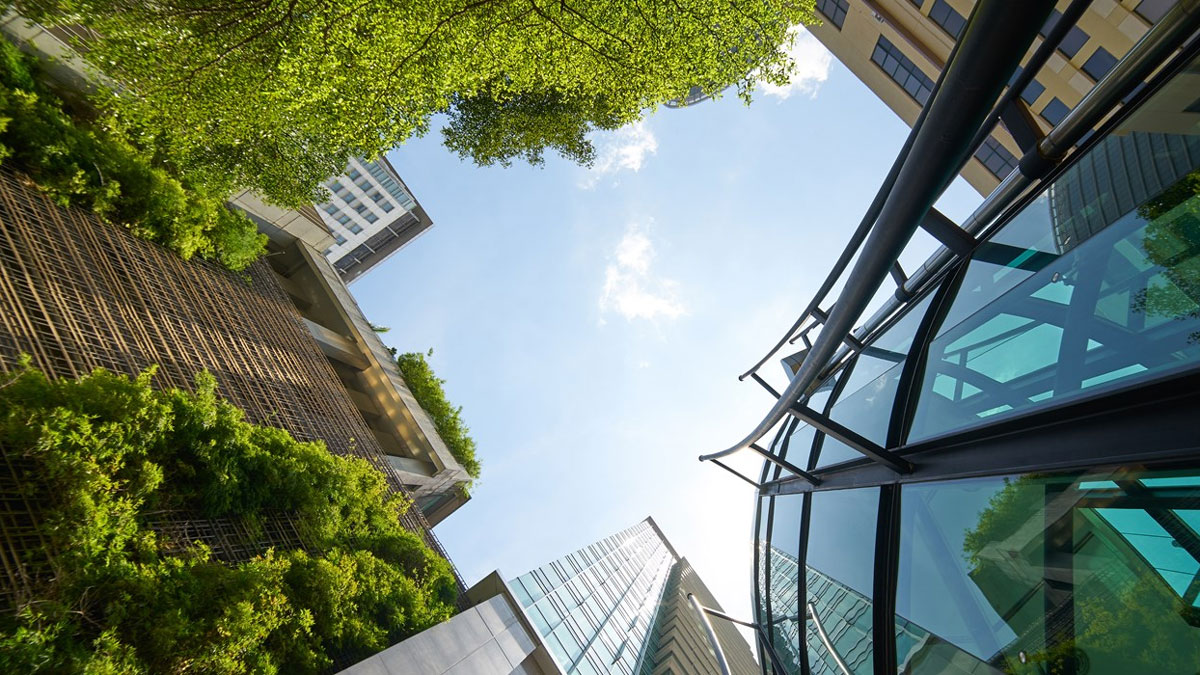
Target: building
996,471
619,605
371,215
898,48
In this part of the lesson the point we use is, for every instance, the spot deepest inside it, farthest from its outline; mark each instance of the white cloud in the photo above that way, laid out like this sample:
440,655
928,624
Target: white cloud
629,287
625,148
811,61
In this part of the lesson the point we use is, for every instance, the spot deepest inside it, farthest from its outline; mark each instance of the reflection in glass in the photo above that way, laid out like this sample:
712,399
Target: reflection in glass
1095,283
865,404
784,581
840,577
1090,574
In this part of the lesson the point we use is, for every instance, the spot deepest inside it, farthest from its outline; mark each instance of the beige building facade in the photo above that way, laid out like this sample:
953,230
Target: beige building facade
898,48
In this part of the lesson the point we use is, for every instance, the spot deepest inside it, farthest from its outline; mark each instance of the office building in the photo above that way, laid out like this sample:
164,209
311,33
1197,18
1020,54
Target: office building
996,470
898,48
618,606
78,294
371,214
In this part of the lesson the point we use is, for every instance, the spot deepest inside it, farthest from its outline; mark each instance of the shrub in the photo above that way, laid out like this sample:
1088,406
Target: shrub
427,389
99,167
106,455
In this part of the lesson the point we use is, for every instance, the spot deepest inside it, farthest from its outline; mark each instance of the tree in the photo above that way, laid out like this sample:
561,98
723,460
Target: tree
277,94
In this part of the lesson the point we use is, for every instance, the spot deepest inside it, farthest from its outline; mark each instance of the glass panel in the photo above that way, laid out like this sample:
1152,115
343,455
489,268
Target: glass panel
1092,574
1094,284
839,573
784,569
865,404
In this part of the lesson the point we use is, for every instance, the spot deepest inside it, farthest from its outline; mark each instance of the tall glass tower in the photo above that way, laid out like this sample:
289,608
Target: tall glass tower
620,606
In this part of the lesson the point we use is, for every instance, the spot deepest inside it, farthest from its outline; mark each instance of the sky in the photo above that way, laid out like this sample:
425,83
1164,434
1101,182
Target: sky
592,322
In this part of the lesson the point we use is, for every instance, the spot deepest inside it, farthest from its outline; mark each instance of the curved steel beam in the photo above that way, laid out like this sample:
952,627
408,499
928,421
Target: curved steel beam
995,39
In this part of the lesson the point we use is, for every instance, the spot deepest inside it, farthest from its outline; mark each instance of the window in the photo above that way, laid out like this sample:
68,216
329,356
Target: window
783,567
996,158
901,69
343,219
1092,285
1055,111
1098,65
355,228
330,209
371,217
834,10
339,239
839,572
1051,571
353,174
865,402
1032,92
945,16
1153,10
1072,42
387,207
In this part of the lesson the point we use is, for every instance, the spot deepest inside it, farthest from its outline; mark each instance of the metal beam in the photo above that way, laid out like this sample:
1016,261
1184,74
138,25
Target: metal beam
995,39
851,438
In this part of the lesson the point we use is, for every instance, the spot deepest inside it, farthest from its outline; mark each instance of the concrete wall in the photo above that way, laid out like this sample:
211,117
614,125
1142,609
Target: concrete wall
491,638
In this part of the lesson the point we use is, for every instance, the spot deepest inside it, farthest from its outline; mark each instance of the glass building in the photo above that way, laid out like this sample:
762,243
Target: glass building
620,606
999,472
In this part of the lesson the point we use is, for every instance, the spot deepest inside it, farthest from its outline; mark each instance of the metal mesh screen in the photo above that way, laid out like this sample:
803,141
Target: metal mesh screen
78,294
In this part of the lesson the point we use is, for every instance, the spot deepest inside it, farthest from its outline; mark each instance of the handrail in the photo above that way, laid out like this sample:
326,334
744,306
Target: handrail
812,614
763,641
1180,22
993,42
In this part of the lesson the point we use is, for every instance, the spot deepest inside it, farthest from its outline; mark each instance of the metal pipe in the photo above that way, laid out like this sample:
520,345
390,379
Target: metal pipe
991,47
1182,20
812,614
722,664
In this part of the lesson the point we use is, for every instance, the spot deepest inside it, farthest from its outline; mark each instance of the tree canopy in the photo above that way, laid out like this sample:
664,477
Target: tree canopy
277,94
97,166
106,459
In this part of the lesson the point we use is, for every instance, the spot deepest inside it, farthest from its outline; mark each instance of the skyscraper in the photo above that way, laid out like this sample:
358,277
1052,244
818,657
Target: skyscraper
898,48
617,606
371,215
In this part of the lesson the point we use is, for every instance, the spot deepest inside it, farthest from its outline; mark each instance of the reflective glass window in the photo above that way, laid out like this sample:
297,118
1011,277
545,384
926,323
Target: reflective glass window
783,566
834,10
1099,63
865,403
1055,110
948,18
1093,284
1088,574
901,69
1032,91
1074,39
839,572
1153,10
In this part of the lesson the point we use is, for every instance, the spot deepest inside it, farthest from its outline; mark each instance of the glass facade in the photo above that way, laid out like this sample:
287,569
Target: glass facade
1088,293
595,607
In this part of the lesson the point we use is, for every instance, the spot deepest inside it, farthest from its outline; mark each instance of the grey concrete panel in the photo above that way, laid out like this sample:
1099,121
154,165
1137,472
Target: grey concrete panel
497,614
515,645
487,660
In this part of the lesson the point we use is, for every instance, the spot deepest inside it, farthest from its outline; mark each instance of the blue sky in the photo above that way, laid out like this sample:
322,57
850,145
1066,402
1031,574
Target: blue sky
592,323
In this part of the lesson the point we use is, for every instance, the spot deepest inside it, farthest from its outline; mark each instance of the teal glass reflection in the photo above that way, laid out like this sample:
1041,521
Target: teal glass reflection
1093,574
865,403
784,580
1093,285
840,578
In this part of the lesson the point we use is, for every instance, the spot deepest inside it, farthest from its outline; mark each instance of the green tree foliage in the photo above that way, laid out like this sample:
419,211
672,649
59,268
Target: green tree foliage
427,389
107,455
98,167
278,93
